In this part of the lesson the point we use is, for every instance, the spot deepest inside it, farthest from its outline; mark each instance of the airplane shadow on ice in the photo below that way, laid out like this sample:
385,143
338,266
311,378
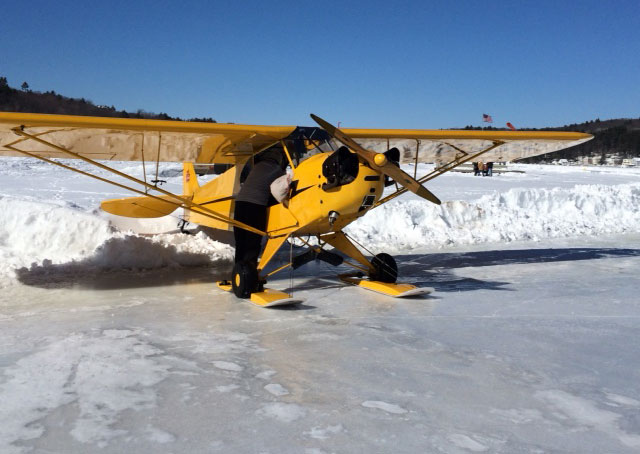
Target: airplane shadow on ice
128,262
436,270
426,270
110,279
324,277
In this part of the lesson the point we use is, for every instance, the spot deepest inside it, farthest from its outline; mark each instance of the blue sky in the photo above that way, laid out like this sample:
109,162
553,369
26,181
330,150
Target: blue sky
402,64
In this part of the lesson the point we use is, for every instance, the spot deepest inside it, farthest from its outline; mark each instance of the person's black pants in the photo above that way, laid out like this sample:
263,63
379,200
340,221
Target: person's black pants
248,244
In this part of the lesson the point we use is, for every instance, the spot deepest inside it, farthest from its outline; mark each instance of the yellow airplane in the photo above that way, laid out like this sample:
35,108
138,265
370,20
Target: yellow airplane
338,175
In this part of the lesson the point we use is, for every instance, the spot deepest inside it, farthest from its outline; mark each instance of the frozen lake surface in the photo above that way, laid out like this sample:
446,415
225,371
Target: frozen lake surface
525,346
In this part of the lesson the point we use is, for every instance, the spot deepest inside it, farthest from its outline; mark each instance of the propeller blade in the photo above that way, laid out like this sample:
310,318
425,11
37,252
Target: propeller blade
404,179
378,161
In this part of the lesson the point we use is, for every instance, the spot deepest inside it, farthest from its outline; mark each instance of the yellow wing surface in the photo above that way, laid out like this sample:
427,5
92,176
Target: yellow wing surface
445,145
132,139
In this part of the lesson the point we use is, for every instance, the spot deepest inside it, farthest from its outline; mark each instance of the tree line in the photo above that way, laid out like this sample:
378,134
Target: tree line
50,102
618,137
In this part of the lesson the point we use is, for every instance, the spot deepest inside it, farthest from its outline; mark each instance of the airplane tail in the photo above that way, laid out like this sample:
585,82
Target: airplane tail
153,207
189,179
217,195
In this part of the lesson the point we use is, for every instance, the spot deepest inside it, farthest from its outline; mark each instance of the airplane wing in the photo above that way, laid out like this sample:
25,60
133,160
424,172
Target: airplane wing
132,139
424,145
451,148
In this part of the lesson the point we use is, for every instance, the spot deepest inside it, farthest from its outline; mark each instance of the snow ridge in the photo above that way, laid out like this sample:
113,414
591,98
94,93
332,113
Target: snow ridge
33,231
37,235
514,215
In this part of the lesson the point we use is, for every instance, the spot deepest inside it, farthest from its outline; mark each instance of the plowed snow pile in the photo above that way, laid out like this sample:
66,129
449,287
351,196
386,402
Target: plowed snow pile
70,236
37,234
518,214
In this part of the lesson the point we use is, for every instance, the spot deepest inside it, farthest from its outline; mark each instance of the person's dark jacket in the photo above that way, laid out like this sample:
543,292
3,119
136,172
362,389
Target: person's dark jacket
257,187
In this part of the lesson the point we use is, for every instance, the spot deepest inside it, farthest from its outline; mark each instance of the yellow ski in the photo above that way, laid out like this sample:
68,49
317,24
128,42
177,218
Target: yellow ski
389,289
266,298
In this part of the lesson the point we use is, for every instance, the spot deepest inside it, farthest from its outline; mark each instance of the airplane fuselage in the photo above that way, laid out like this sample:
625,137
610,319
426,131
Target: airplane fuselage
316,209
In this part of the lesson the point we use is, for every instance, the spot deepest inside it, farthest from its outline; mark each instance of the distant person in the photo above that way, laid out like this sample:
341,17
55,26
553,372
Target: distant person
489,168
476,172
482,168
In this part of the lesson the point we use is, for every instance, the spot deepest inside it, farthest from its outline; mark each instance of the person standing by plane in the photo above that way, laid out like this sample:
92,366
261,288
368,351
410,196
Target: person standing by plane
252,202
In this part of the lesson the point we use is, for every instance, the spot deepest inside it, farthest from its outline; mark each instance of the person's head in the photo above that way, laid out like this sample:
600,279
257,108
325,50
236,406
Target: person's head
275,155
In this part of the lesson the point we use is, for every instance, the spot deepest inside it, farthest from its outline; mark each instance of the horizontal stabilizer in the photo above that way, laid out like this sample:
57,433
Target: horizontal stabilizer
141,207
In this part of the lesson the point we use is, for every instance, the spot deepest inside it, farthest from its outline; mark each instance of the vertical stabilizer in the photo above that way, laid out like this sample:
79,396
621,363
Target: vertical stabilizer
216,195
189,179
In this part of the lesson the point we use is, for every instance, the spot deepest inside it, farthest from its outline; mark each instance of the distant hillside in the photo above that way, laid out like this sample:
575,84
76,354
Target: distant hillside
25,100
618,137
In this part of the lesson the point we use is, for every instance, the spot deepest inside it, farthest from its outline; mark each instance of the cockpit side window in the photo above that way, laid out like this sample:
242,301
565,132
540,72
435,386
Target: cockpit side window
340,168
305,142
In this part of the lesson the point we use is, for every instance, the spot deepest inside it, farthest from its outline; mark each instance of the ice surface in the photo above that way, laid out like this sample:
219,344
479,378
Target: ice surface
384,406
282,412
322,433
584,412
276,389
467,443
226,365
100,376
113,342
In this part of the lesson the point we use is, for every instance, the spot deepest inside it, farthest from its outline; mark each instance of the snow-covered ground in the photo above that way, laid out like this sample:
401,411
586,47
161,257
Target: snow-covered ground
112,341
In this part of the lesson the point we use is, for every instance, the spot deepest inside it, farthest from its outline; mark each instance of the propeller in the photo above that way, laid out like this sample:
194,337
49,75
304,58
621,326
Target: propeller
378,161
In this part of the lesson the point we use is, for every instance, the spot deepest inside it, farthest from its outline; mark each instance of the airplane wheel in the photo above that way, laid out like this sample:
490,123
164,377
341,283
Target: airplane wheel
244,280
384,269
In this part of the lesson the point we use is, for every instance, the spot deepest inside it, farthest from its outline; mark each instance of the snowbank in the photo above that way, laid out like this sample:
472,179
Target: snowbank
39,235
32,231
518,214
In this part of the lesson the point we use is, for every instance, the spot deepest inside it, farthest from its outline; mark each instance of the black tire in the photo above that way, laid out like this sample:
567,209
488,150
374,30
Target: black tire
244,280
384,269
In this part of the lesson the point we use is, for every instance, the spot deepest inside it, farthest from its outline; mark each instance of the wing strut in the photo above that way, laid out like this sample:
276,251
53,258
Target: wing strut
184,202
443,169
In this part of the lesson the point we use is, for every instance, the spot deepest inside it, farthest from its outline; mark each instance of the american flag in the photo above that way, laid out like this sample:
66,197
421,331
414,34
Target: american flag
487,118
